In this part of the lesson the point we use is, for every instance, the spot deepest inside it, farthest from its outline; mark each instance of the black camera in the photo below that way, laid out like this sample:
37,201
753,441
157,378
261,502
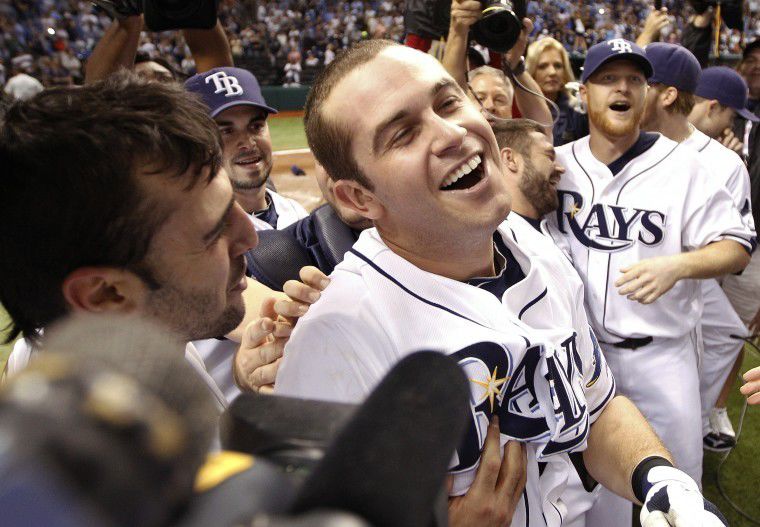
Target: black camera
501,24
731,10
163,15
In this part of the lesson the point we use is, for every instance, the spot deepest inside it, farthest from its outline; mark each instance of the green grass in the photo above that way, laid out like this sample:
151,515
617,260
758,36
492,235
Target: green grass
287,133
741,472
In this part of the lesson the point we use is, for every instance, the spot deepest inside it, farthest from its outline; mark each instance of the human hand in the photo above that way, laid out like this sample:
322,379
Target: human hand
649,279
497,488
751,387
730,141
258,358
302,294
674,500
655,23
464,13
518,50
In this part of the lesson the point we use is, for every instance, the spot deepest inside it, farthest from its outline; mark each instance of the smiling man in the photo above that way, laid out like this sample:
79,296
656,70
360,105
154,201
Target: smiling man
644,219
237,106
442,270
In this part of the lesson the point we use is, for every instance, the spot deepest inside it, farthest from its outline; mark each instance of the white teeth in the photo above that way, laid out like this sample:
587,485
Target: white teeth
467,167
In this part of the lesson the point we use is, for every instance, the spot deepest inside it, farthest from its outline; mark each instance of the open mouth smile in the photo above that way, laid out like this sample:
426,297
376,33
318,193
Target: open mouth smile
467,175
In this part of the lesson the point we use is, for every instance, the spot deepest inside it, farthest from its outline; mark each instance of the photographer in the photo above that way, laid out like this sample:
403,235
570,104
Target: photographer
465,13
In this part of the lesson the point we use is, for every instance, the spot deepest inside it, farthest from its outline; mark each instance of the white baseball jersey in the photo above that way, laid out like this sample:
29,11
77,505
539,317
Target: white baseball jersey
217,354
288,211
662,202
727,168
379,308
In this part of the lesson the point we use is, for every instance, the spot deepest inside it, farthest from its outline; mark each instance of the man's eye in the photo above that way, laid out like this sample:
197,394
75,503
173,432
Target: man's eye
225,131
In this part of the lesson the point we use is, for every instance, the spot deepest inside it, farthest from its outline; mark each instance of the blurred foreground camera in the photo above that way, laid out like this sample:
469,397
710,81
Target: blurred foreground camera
163,15
501,24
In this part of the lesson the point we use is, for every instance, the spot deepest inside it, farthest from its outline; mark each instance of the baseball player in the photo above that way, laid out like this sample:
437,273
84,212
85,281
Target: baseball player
235,102
234,99
643,218
669,102
440,270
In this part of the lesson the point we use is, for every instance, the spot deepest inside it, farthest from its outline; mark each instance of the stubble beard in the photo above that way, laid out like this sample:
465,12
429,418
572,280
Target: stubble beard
538,190
187,312
612,128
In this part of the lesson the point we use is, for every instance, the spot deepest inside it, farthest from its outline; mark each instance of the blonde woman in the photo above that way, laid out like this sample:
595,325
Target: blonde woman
549,64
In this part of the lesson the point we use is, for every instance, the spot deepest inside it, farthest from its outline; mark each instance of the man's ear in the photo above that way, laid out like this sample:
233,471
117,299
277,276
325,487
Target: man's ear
713,108
509,158
668,96
358,198
583,94
103,290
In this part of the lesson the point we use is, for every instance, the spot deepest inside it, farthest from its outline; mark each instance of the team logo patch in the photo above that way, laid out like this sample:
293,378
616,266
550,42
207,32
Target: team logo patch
541,399
226,84
609,228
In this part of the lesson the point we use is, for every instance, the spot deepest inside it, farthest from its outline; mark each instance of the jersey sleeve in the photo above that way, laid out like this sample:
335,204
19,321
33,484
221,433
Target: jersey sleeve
332,358
710,215
738,185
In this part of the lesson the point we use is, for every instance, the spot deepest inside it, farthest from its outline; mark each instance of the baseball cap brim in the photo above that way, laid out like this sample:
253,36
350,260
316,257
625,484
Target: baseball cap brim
640,61
230,104
748,115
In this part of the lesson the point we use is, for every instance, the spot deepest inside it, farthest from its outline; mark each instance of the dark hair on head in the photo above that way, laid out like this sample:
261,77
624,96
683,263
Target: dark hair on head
514,134
142,57
330,142
71,164
684,103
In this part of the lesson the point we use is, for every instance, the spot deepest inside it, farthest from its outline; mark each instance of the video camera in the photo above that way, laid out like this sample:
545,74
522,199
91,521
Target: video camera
501,24
163,15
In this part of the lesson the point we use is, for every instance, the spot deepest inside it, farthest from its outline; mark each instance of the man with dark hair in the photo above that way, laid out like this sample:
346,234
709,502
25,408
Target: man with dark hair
113,201
441,271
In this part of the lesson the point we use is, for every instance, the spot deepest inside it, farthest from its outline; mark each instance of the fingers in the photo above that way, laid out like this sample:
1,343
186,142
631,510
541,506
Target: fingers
291,309
265,375
256,332
490,458
301,292
267,308
630,284
654,519
627,275
512,474
752,375
313,277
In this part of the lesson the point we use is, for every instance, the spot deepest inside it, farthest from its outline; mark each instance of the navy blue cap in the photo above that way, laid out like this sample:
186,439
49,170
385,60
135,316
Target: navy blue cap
616,49
674,65
222,88
728,88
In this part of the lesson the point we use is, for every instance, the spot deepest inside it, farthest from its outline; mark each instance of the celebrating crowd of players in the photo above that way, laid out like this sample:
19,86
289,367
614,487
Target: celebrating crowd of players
578,287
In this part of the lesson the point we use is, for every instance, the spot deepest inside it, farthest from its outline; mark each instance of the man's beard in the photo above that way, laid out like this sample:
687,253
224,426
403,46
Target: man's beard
187,312
538,189
246,183
614,128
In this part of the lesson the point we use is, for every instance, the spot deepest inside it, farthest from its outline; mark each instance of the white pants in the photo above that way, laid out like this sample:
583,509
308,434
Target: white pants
662,380
719,322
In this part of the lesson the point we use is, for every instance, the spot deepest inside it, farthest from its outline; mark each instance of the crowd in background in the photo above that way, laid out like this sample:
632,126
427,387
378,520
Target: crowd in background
286,41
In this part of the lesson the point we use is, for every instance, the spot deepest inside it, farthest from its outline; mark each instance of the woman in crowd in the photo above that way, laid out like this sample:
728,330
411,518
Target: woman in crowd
549,64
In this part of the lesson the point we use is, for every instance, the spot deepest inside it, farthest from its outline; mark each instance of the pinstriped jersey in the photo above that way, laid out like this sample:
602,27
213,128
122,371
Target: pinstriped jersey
530,356
662,202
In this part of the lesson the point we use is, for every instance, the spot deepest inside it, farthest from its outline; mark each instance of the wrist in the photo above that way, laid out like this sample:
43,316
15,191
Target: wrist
640,481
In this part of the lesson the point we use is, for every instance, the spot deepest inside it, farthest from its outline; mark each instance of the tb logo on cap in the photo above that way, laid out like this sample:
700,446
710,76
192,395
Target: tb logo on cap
620,45
225,83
